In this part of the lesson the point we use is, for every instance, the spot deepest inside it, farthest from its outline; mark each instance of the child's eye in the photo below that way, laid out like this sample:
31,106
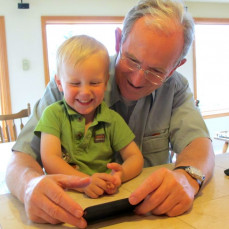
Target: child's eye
75,83
95,82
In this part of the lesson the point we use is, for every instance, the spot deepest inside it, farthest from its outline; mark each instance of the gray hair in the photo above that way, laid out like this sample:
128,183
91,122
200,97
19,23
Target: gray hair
78,48
162,11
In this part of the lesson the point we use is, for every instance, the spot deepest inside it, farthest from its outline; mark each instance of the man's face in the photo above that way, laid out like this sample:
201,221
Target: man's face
153,51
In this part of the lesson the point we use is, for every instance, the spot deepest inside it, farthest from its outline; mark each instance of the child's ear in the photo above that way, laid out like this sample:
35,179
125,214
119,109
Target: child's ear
58,83
108,76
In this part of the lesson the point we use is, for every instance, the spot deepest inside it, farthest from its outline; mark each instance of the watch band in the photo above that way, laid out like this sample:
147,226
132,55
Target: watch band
194,173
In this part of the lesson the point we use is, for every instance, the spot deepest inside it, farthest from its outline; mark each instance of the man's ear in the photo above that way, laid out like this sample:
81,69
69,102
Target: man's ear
178,65
58,83
118,36
182,62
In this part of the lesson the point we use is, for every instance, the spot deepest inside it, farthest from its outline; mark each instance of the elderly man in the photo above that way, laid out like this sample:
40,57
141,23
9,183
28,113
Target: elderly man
157,104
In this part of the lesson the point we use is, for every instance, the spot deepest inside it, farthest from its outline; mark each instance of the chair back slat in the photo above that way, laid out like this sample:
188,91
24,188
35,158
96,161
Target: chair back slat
21,125
14,131
8,129
2,139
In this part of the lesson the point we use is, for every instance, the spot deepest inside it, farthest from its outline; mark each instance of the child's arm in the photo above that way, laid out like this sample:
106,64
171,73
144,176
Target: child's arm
51,157
131,167
132,161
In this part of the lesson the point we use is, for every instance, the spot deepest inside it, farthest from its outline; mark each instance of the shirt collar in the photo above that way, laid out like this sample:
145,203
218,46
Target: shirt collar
102,112
69,110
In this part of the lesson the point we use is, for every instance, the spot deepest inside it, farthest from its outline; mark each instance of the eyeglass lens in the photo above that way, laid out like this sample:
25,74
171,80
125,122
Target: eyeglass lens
150,76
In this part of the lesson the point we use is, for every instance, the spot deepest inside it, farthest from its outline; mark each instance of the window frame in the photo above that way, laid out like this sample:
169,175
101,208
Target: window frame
207,21
48,20
4,72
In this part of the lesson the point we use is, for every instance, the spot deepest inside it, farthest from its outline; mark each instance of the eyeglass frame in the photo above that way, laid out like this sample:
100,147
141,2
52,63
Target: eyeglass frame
146,72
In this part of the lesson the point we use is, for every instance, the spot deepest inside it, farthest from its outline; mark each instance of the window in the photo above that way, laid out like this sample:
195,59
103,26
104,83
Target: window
5,100
211,59
57,29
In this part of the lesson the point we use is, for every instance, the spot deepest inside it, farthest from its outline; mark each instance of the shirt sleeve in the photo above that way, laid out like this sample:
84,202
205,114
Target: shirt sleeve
187,122
50,121
26,136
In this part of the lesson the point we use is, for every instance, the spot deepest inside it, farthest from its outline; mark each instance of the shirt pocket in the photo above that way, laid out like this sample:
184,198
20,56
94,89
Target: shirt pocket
155,148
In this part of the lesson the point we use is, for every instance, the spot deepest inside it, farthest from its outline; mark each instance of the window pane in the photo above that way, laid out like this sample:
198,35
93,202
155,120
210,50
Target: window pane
212,71
56,34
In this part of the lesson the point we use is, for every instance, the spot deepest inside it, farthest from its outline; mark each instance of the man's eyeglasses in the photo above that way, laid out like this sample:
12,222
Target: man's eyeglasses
152,77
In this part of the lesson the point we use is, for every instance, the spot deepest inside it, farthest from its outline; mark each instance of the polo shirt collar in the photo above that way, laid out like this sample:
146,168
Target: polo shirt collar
69,110
102,112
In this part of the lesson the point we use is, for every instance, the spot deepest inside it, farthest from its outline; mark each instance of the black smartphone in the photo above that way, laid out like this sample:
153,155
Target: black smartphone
226,171
110,209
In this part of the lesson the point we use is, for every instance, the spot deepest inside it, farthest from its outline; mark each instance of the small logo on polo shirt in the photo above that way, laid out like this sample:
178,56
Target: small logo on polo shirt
99,138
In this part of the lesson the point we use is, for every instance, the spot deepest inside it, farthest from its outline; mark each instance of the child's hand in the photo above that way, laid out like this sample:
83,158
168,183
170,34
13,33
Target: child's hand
98,184
117,173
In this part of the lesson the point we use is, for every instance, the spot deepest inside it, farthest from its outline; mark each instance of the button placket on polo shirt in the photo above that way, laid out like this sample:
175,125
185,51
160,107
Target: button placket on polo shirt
79,135
78,125
81,139
86,140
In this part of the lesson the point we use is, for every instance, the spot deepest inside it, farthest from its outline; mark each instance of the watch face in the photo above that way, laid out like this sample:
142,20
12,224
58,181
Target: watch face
195,173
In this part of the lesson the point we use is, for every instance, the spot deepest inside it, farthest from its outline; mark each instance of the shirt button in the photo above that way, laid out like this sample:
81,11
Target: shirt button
79,136
80,118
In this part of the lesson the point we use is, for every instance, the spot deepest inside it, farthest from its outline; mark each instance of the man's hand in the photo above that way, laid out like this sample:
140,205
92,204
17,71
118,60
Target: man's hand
165,192
46,202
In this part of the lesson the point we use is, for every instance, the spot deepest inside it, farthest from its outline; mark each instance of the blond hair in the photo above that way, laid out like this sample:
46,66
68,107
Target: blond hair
78,48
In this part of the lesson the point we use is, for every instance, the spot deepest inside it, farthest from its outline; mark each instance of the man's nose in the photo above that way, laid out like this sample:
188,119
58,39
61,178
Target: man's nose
138,78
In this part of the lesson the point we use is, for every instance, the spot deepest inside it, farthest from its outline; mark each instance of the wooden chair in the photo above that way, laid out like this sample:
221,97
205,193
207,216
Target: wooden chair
8,126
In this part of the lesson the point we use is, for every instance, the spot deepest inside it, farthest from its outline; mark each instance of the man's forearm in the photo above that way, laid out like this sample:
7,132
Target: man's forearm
21,169
199,153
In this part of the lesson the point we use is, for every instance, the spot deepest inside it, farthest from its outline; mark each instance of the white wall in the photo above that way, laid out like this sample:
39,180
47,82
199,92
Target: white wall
24,40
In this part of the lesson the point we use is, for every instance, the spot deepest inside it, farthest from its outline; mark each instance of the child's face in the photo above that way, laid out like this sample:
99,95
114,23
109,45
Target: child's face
84,85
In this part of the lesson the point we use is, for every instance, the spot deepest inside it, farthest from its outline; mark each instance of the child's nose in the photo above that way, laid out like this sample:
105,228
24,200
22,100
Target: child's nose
85,89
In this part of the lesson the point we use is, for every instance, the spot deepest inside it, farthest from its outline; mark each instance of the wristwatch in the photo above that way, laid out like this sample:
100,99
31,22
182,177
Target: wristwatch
194,173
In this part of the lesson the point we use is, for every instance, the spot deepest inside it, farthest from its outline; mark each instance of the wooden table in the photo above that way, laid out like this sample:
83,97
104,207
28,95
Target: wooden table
210,209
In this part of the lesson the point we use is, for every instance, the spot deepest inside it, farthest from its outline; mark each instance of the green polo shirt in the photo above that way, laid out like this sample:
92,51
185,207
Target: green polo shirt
91,152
